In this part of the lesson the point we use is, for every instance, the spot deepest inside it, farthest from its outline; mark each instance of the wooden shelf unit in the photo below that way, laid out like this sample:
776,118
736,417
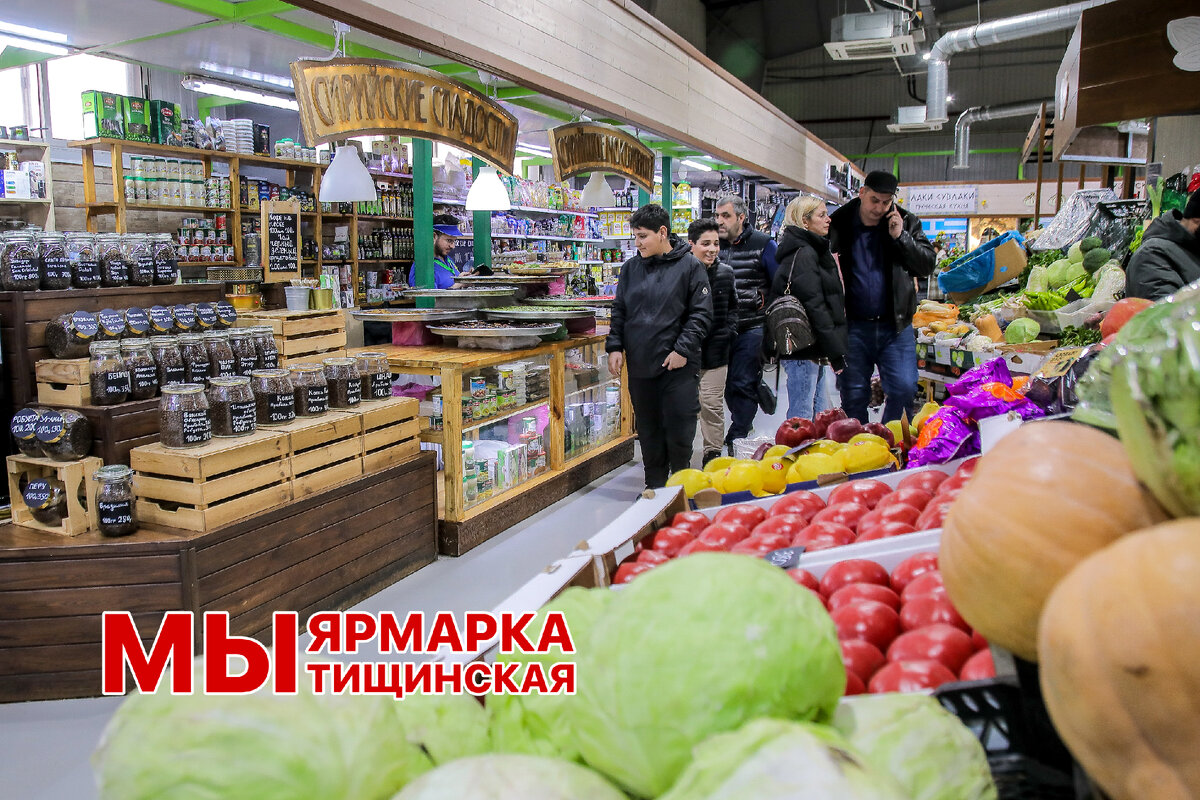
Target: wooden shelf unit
36,210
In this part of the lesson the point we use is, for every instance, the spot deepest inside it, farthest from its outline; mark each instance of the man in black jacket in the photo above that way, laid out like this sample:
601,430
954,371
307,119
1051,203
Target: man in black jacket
880,248
660,316
1169,257
751,255
714,356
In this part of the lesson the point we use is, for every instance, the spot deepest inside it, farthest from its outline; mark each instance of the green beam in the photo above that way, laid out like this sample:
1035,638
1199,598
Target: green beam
643,197
514,93
930,153
17,57
208,102
668,189
423,216
481,224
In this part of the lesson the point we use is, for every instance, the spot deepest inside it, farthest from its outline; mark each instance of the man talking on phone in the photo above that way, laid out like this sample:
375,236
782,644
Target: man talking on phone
880,248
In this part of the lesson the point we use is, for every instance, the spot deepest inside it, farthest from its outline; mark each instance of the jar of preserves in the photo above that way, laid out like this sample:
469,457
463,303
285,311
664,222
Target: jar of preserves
166,261
19,269
310,389
245,354
195,358
183,416
376,375
24,430
168,361
56,264
110,380
274,396
221,362
231,406
116,514
345,384
85,261
143,371
64,434
46,499
114,268
70,335
268,351
139,254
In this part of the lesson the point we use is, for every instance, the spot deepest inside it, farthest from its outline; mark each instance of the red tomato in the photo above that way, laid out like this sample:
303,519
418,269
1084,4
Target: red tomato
804,503
745,515
788,524
822,536
910,676
922,611
978,667
761,544
927,584
884,530
700,546
670,540
724,534
978,641
857,592
627,572
868,620
954,484
933,514
968,467
854,684
864,492
847,514
861,658
853,570
911,567
913,496
898,512
653,557
805,578
943,643
928,480
692,521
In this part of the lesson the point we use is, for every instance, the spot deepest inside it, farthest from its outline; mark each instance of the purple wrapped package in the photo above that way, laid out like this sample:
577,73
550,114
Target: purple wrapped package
947,435
994,371
993,400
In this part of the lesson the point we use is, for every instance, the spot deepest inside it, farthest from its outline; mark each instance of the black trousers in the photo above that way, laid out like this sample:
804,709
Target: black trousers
666,409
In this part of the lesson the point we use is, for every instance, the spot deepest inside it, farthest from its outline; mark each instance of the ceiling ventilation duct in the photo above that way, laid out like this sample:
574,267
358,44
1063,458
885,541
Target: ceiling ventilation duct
962,128
911,119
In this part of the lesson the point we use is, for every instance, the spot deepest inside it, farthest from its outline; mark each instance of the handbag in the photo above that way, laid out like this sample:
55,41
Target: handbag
787,330
768,400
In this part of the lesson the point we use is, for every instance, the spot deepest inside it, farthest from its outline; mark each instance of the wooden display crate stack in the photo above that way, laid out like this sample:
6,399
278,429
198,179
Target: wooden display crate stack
64,381
390,430
76,476
302,336
324,451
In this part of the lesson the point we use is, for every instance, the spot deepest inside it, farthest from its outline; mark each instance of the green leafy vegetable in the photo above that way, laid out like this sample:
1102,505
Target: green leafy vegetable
1063,272
1022,331
510,777
446,726
1078,337
1095,259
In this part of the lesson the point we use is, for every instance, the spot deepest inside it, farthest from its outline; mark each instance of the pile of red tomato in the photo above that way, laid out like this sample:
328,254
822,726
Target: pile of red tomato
898,632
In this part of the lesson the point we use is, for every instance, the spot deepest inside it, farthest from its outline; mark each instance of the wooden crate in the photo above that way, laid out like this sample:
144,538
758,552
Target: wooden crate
390,431
300,334
312,358
324,451
74,476
64,381
202,488
116,430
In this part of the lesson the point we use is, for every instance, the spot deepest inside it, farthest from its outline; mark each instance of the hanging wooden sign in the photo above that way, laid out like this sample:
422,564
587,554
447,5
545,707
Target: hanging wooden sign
355,97
588,147
280,238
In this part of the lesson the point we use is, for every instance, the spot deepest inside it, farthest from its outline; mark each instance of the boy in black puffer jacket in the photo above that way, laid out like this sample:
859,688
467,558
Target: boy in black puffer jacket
704,234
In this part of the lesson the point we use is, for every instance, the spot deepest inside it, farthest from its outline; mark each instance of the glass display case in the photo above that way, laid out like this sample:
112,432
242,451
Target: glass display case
592,407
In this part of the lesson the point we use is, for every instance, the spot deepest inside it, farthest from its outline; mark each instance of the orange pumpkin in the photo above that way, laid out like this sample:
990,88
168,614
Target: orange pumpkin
1047,496
1120,663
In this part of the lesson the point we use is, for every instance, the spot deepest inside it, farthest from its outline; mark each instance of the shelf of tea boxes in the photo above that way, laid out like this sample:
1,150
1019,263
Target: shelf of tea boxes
35,210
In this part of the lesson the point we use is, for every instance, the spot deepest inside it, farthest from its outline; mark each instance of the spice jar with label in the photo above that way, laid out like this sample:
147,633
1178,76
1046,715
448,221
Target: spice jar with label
116,513
139,254
345,384
70,335
46,499
206,317
166,263
376,375
168,361
112,325
195,358
19,268
162,320
231,406
185,319
56,265
24,430
226,314
110,377
268,351
221,362
137,323
245,354
143,371
64,434
114,268
274,395
85,263
312,393
183,416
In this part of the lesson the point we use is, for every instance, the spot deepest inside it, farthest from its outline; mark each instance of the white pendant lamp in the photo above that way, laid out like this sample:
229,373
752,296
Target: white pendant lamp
346,180
597,193
487,192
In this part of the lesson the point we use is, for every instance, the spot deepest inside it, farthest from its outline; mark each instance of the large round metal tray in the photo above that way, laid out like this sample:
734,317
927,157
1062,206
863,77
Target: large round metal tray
573,302
413,315
468,298
525,313
501,278
532,330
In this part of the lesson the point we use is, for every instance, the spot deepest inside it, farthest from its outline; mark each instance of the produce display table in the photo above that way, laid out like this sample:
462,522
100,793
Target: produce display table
323,552
570,462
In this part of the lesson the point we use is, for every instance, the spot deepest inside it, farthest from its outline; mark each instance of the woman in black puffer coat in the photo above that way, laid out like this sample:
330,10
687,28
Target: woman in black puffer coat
808,272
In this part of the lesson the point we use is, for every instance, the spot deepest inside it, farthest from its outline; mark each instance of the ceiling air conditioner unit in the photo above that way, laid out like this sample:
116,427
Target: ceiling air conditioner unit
911,119
875,34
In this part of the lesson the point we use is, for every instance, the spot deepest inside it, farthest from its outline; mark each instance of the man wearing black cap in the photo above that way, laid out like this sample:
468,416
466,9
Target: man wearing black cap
880,248
1169,257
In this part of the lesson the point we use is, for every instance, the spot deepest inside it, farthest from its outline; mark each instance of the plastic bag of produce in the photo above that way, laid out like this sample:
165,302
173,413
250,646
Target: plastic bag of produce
1071,222
948,434
1110,281
993,400
1052,387
510,777
1039,279
994,370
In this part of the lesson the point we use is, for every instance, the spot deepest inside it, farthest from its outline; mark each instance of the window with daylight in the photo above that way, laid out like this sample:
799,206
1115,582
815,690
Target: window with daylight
70,77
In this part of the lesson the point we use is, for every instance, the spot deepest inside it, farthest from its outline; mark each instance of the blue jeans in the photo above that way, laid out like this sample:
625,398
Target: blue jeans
741,384
806,388
895,353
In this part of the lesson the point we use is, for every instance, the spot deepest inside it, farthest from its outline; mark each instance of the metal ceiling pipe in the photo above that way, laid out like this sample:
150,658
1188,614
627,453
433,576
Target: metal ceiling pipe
962,128
988,33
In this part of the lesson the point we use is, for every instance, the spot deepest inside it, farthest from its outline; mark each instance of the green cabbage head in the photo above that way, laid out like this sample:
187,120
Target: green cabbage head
1022,330
697,646
773,759
446,726
924,747
510,777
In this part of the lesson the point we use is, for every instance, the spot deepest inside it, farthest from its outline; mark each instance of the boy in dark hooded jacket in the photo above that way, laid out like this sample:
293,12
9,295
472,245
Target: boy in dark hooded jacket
1169,257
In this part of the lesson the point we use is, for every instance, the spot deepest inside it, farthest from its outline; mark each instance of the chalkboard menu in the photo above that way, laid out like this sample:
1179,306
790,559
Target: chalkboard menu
281,239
